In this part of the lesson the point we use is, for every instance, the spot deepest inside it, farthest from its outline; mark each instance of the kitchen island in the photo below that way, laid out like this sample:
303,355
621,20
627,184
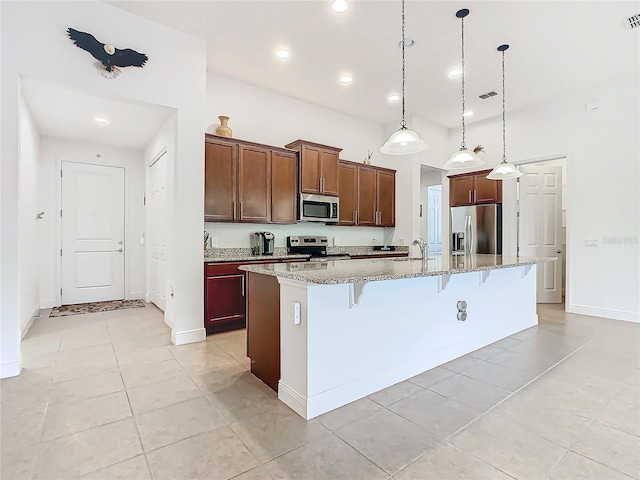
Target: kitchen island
323,334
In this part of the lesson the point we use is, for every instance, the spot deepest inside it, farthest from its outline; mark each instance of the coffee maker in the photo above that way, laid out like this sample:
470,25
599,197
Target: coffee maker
262,243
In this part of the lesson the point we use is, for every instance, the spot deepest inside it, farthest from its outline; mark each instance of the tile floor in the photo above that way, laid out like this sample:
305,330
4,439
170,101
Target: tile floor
106,396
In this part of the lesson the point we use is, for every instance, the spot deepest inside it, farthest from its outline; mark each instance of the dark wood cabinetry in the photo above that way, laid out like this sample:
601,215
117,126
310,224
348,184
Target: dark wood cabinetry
318,167
248,182
473,189
224,297
367,195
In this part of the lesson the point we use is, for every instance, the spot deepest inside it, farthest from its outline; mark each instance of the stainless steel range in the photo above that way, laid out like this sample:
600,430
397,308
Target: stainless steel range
316,246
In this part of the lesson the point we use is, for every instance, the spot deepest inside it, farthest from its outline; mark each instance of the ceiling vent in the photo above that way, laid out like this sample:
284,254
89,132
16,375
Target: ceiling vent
632,22
490,94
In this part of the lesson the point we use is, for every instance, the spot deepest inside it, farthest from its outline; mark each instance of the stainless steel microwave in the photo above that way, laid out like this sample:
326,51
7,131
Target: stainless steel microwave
318,208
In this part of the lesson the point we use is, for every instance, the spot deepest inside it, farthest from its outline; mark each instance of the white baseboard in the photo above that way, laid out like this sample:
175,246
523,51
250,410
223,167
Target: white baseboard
136,296
292,399
48,304
10,369
25,329
604,313
188,336
147,298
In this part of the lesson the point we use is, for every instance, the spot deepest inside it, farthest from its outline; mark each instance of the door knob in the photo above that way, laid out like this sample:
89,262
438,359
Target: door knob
558,251
119,250
120,242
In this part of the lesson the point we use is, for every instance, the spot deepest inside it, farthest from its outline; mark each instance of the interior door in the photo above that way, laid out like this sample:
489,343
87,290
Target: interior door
434,218
157,231
539,232
92,228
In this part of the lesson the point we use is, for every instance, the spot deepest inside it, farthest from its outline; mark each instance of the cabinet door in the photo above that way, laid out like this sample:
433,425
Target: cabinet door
386,189
225,301
347,190
329,172
460,190
284,187
485,190
254,193
366,196
309,169
220,181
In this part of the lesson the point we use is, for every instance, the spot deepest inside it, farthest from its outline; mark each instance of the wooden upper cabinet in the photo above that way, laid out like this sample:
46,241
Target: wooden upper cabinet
367,198
386,199
220,181
347,189
318,167
474,189
284,187
254,192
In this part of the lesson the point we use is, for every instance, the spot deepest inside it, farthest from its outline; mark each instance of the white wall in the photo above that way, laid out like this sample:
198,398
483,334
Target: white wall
174,76
602,200
30,242
266,117
55,151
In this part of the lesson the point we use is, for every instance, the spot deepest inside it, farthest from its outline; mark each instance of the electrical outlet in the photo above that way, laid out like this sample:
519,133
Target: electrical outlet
214,242
296,313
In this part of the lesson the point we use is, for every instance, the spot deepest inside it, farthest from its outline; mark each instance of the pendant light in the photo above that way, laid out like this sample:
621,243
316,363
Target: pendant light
463,158
404,141
504,170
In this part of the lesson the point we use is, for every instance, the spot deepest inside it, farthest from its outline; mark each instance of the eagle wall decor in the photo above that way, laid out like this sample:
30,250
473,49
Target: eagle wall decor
109,58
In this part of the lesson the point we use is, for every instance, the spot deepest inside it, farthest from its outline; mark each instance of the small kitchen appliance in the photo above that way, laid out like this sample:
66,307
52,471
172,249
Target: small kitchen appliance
316,246
262,243
318,208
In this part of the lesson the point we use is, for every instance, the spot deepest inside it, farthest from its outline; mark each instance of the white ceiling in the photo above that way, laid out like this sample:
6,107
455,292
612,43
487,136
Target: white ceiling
62,112
556,47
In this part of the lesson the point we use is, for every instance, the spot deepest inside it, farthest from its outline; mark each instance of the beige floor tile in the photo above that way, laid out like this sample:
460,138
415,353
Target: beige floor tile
96,334
506,343
146,356
135,343
218,454
430,377
439,415
83,388
75,455
326,458
84,362
210,358
486,352
388,440
258,473
346,415
220,379
21,431
471,392
145,373
85,414
395,392
511,359
623,410
508,446
16,460
161,394
450,463
133,469
502,377
245,398
611,447
276,431
176,422
27,383
576,467
17,405
462,364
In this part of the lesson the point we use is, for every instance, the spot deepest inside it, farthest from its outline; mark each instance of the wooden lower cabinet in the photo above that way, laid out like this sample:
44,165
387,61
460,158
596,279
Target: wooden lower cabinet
224,295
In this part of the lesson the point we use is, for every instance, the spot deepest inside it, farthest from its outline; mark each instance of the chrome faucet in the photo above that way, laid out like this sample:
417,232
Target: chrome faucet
423,247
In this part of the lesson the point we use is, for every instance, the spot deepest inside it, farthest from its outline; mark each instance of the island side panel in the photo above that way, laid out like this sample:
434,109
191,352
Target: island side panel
401,328
263,327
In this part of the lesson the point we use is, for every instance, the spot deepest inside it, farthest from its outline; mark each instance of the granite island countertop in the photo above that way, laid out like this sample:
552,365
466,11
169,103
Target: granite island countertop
368,270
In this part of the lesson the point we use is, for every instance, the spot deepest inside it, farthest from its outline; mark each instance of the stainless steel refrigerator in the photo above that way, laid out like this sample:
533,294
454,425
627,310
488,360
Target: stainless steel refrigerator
476,229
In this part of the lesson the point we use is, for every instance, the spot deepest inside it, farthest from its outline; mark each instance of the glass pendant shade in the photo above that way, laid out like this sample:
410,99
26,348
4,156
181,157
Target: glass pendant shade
403,142
463,158
504,171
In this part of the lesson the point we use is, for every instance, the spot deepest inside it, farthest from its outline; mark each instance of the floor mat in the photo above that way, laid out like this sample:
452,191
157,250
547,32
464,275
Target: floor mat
94,307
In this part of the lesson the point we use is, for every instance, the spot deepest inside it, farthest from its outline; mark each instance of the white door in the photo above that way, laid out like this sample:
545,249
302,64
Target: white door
156,204
434,218
92,227
540,226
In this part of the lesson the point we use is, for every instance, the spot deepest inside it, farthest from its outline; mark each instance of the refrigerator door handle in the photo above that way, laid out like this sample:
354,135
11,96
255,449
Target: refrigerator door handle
468,235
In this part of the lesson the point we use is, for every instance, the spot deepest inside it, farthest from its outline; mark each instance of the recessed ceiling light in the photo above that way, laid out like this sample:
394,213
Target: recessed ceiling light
408,42
339,6
282,54
393,98
468,113
455,73
101,120
346,79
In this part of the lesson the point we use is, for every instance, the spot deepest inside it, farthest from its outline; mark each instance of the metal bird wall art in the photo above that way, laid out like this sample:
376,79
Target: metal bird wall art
109,58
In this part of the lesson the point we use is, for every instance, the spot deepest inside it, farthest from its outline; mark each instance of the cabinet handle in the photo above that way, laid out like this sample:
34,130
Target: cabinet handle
377,217
321,184
470,201
242,285
272,212
355,216
240,210
234,209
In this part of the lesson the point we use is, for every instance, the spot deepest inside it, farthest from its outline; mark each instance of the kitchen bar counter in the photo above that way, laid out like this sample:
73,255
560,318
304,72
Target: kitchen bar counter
368,270
215,255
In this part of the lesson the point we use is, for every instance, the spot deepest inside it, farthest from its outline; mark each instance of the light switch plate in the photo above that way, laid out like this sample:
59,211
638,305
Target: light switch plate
296,313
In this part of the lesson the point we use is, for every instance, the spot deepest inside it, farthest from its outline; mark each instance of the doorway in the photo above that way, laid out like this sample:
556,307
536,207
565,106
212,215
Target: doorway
434,218
157,230
542,224
92,233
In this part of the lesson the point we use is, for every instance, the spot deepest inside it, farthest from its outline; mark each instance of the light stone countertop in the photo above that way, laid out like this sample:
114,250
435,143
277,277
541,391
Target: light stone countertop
215,255
368,270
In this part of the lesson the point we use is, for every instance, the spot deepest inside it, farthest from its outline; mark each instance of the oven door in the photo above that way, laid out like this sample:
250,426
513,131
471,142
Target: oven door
318,208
